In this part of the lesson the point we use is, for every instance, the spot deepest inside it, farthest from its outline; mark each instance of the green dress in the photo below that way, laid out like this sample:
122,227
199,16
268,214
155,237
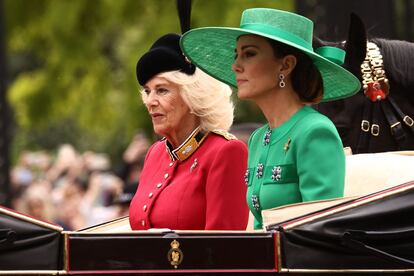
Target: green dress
301,160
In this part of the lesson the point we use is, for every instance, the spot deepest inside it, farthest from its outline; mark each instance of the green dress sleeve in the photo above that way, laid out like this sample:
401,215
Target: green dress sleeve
321,163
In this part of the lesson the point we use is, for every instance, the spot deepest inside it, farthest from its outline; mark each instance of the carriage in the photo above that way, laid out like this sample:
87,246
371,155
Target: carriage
369,230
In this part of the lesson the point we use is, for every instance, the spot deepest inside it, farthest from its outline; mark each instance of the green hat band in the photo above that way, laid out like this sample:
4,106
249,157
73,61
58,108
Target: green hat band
334,54
274,31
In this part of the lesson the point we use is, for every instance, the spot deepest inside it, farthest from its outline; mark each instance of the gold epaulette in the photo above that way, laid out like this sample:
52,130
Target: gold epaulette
225,134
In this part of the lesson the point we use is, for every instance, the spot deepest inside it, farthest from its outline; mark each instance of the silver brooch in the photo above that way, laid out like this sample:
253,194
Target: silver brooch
266,139
255,202
276,173
193,165
246,176
259,170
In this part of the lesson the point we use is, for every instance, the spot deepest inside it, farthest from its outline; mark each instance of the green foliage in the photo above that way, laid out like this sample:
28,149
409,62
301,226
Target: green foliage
72,66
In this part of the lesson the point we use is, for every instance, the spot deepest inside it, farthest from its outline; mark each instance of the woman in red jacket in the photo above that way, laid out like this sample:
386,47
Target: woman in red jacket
193,178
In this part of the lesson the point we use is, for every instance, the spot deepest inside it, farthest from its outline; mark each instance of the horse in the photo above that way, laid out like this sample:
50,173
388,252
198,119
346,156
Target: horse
378,118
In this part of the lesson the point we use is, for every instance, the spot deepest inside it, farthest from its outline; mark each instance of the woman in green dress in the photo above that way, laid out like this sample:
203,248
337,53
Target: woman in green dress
298,155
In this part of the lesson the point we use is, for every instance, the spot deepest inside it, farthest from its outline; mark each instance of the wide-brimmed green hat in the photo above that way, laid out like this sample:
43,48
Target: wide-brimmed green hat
212,48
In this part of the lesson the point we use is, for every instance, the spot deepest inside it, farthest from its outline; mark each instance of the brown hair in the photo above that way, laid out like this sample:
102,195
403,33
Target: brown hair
306,78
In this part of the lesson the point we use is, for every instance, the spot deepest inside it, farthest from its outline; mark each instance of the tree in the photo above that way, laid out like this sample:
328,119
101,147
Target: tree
4,121
73,66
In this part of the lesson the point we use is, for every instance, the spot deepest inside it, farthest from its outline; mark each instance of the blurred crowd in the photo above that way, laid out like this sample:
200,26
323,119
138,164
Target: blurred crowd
76,190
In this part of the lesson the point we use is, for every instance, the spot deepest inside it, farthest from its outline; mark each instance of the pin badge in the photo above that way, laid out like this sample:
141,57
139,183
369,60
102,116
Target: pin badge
187,149
193,165
286,147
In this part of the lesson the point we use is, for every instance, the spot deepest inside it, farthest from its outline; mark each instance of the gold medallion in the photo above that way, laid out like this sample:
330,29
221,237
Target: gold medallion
175,255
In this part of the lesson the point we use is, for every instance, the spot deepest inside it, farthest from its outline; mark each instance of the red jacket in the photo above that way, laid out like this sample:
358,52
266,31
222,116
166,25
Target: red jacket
203,191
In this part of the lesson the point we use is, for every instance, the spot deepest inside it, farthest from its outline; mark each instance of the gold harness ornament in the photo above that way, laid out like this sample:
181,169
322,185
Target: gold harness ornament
374,80
376,88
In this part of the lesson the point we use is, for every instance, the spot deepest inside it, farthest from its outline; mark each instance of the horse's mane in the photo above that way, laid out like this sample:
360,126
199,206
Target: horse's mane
398,60
349,114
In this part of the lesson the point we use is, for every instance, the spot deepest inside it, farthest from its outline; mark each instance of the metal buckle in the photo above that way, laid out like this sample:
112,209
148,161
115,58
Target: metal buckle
375,129
393,126
365,125
408,120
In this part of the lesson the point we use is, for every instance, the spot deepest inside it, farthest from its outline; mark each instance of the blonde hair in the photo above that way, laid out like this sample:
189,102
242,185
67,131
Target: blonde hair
207,98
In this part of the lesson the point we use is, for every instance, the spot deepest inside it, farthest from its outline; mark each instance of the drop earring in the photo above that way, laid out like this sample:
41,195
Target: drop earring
282,80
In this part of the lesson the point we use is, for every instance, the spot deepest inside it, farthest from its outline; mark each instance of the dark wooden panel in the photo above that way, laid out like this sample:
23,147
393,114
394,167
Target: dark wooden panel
149,252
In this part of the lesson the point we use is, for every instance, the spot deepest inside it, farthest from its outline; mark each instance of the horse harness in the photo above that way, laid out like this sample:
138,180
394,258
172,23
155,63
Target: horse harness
376,89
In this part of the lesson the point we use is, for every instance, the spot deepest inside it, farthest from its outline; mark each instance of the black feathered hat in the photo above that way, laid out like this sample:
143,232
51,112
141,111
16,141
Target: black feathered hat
165,54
